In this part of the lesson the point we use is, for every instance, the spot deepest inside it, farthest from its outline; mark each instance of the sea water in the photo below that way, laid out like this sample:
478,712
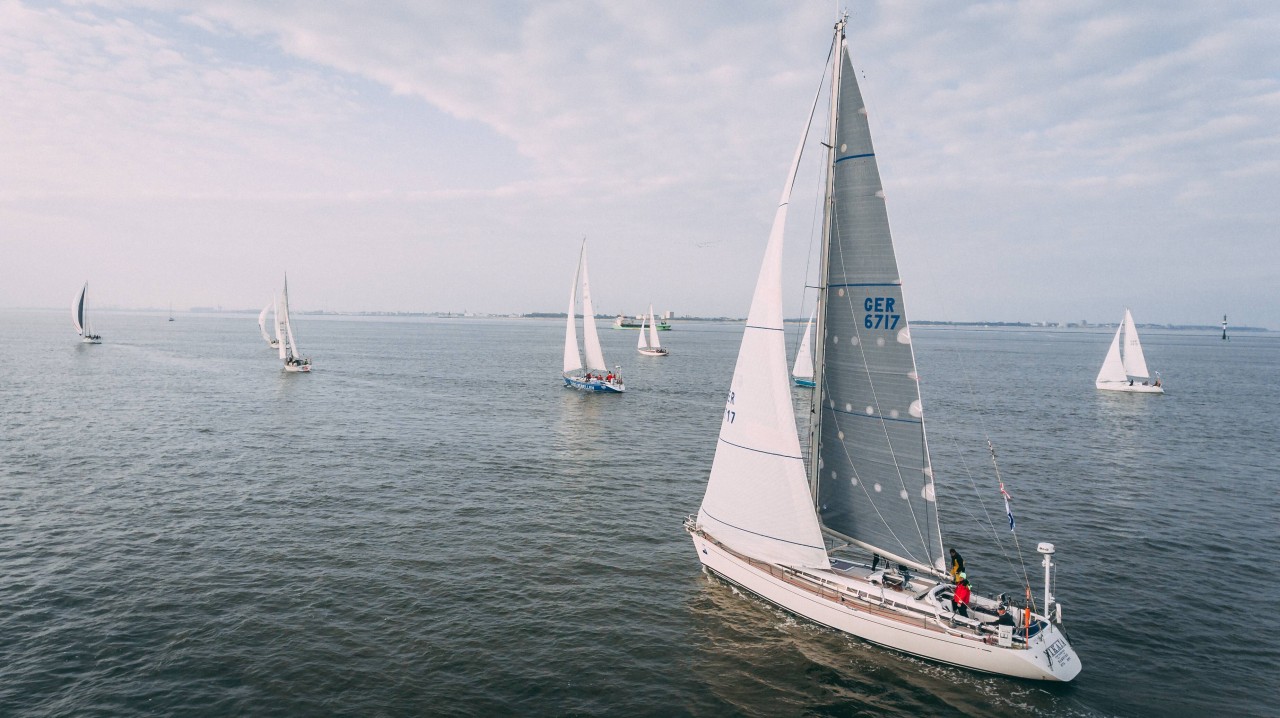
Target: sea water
430,524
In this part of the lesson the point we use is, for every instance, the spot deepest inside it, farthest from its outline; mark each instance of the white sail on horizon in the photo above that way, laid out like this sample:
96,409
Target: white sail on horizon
803,367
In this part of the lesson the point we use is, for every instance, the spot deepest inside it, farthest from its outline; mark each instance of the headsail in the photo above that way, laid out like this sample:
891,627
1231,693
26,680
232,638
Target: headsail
758,500
590,340
803,368
78,312
874,479
640,339
262,322
1112,367
572,357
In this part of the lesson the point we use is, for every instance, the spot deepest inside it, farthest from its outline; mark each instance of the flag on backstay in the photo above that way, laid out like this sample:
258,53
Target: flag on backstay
1008,511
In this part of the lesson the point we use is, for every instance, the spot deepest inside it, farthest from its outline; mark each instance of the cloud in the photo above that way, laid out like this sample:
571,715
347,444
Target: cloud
1082,129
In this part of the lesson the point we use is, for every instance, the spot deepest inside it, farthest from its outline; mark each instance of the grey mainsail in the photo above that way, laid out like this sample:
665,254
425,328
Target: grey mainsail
874,482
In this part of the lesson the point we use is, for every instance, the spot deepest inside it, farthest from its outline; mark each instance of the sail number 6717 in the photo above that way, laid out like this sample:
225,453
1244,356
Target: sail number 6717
880,313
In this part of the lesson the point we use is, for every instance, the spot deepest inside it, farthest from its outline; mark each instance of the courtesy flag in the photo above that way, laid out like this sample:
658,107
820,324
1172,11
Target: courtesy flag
1007,510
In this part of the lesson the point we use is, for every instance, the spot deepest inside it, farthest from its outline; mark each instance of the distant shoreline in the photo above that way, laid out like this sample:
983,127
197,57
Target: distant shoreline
677,320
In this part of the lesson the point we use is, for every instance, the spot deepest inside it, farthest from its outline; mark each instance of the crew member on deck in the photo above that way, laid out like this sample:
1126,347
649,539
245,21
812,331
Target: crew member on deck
957,565
1004,619
960,604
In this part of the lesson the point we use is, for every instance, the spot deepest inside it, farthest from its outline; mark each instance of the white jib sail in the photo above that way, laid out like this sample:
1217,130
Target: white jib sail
1135,363
590,340
653,331
640,339
803,368
262,323
572,357
1112,367
758,500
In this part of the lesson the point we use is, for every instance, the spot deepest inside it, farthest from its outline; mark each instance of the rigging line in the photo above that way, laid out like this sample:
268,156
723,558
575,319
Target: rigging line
862,353
990,525
982,422
817,206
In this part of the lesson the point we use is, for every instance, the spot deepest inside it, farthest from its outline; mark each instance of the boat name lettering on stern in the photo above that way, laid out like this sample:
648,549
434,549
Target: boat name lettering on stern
880,313
1058,650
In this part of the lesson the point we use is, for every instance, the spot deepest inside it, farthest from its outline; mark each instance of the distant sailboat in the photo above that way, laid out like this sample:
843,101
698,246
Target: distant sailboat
80,318
652,347
287,345
851,537
1224,328
802,372
262,325
170,311
1125,368
597,377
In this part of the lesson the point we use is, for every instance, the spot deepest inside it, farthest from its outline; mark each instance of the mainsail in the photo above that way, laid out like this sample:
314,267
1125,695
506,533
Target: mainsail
653,331
282,315
758,500
872,471
1135,362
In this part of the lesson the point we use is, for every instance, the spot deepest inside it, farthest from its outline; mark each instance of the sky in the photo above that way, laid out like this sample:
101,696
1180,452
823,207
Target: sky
1048,160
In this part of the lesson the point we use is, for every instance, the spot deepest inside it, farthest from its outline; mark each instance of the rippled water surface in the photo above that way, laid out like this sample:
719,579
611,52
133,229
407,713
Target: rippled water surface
430,525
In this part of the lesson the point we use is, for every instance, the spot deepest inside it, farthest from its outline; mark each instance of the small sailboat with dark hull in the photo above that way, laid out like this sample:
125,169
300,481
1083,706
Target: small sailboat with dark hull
80,318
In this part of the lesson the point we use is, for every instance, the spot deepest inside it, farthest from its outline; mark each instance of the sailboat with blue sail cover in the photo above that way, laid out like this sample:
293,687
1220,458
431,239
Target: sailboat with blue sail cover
849,536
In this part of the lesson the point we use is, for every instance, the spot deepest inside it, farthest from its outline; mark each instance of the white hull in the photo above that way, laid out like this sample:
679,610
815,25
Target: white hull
837,605
1134,388
581,383
91,340
304,368
654,352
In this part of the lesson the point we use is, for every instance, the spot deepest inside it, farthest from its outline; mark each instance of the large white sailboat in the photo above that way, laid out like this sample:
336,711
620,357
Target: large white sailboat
850,539
648,344
80,318
262,325
287,345
1125,368
598,377
802,370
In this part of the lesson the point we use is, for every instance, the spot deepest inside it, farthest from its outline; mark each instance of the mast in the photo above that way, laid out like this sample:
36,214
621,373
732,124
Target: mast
819,345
